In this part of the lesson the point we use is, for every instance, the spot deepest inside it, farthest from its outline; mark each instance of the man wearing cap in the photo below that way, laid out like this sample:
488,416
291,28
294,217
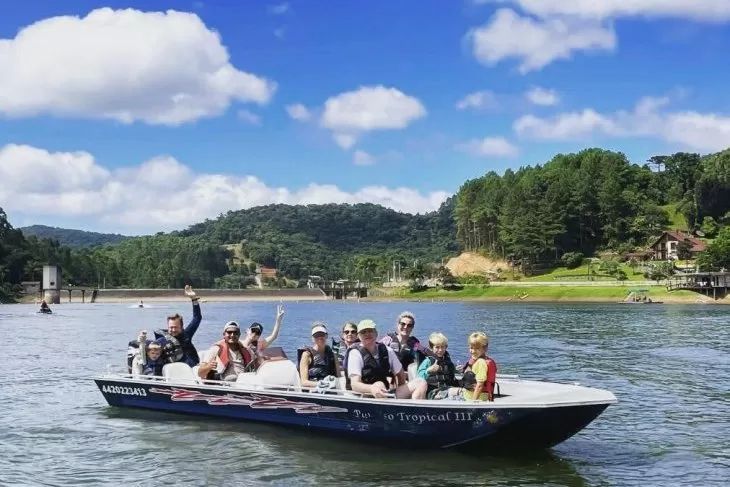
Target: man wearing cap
369,364
228,358
318,363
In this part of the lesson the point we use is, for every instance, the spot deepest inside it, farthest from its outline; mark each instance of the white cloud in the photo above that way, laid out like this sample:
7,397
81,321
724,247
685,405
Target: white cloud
72,184
346,141
299,112
362,158
279,9
125,65
535,42
490,146
702,10
369,108
690,129
565,126
249,117
479,99
542,96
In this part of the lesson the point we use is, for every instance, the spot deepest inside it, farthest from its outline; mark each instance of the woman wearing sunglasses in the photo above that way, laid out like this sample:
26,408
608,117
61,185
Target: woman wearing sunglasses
348,337
407,348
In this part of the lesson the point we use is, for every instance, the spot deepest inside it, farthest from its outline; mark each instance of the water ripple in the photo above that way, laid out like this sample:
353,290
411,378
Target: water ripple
668,366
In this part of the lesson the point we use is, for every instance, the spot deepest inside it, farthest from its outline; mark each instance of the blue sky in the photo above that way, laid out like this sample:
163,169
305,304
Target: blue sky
131,119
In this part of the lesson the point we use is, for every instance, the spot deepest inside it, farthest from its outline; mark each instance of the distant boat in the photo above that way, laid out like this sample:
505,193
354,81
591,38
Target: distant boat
638,296
45,311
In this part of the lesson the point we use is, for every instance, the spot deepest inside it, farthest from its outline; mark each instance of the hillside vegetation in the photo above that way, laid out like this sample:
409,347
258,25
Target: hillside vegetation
531,220
72,238
590,201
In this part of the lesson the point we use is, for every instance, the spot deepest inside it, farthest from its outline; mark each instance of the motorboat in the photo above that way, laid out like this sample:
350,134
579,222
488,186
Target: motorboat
639,296
525,414
45,311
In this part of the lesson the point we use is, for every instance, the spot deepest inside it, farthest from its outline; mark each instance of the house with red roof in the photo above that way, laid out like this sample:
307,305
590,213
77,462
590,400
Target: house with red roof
665,247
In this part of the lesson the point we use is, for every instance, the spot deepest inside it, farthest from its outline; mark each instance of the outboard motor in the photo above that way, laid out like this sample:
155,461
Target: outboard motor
132,350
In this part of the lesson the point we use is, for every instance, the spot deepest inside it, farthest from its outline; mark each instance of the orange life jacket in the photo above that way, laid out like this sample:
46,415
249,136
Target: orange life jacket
491,375
224,355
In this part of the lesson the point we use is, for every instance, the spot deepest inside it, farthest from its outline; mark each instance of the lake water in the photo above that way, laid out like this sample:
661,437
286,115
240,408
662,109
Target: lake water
669,366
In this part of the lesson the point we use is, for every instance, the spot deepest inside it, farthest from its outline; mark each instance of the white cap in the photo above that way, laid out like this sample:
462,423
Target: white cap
319,329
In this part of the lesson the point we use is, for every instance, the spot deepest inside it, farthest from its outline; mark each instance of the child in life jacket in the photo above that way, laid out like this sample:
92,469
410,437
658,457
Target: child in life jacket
437,369
480,372
151,363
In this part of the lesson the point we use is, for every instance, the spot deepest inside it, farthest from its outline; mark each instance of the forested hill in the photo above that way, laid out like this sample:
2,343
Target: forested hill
72,238
590,201
313,239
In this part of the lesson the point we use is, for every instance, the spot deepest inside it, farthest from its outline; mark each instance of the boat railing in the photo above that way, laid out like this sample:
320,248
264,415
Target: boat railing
238,385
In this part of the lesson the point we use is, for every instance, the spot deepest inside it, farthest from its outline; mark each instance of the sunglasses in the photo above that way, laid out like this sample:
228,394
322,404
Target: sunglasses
350,332
407,325
232,332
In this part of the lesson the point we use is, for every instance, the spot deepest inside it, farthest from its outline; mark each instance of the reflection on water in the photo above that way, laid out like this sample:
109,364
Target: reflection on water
669,366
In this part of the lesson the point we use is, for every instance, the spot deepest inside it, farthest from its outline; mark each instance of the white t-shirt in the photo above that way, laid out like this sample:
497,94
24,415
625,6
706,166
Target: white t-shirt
355,362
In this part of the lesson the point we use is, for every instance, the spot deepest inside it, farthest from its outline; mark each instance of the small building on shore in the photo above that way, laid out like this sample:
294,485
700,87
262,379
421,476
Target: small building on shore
665,247
711,284
52,283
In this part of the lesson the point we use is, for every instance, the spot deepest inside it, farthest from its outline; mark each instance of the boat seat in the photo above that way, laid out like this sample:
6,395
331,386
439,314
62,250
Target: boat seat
179,372
246,379
278,373
412,371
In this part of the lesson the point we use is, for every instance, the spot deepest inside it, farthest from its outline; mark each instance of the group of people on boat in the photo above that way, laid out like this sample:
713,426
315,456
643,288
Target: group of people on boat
370,366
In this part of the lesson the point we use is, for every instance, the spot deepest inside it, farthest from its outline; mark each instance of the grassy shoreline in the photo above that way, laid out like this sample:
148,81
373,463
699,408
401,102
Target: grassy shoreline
536,294
547,294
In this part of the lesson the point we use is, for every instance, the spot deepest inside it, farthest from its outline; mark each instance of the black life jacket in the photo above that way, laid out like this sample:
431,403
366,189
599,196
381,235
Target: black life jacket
405,352
178,348
340,349
133,349
322,364
154,367
372,370
445,377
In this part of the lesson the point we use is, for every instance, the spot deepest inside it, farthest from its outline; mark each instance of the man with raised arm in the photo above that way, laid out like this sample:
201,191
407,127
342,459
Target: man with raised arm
176,341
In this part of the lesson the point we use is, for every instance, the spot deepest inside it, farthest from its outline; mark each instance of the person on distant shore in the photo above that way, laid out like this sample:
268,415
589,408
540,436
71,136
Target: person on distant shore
227,358
348,338
176,342
253,337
